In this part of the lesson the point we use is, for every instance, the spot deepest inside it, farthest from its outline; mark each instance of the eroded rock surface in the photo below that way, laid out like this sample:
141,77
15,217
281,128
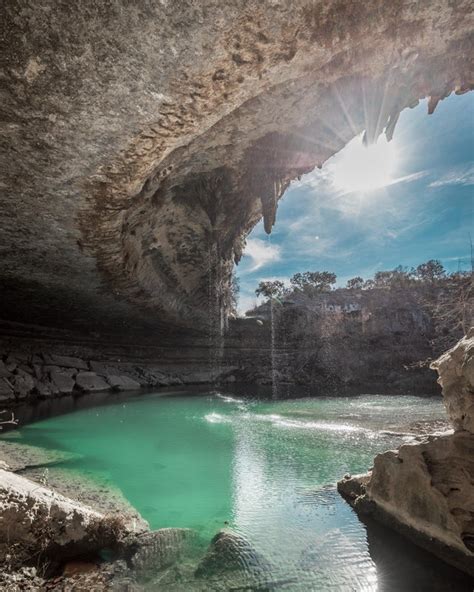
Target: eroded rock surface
456,376
35,521
426,490
142,142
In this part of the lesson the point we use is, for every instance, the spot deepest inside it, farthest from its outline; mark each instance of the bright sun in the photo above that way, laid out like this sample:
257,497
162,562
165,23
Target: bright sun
365,168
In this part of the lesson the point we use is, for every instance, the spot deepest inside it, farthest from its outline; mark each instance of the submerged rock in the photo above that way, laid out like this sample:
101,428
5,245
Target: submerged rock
230,552
156,550
426,490
18,456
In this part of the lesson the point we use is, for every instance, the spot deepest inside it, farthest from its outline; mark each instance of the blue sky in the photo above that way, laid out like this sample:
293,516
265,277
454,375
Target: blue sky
422,206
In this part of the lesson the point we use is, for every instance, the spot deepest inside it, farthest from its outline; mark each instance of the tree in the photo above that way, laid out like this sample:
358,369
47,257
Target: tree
313,282
430,271
271,289
395,278
382,279
355,283
451,307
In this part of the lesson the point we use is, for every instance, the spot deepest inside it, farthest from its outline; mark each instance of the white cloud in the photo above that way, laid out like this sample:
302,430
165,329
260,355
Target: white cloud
456,176
261,252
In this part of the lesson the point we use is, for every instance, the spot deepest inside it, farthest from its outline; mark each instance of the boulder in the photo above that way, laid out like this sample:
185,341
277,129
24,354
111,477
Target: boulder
11,363
90,382
456,376
45,388
353,486
23,383
426,490
35,521
122,383
4,371
26,368
6,390
38,371
103,368
230,552
61,382
65,362
152,551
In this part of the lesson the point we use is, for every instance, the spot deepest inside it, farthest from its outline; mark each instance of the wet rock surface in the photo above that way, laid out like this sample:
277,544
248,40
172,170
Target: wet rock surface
229,552
157,550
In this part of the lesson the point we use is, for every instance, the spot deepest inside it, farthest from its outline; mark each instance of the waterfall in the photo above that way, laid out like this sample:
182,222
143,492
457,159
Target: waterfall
216,314
273,350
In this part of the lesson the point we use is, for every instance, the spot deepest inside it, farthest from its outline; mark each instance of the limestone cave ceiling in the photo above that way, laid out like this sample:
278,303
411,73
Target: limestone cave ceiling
141,142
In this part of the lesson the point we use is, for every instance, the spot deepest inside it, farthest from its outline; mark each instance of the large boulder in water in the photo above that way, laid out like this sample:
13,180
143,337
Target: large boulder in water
231,552
426,490
37,522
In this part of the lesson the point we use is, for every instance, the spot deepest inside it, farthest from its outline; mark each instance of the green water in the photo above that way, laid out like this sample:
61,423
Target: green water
265,468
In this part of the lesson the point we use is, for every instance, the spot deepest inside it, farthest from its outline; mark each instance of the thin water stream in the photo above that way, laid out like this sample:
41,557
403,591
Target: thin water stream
266,469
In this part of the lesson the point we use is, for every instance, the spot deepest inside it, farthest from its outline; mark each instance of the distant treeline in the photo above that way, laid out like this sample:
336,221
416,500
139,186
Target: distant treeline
448,298
312,283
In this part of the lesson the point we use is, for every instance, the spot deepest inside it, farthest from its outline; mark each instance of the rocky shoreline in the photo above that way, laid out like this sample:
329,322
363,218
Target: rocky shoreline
30,377
425,490
63,532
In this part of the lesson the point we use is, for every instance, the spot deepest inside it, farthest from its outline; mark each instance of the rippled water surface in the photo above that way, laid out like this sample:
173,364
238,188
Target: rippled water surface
266,469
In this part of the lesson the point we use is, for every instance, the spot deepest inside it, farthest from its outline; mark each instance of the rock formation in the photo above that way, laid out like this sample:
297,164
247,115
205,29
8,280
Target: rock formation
39,523
141,142
426,490
371,341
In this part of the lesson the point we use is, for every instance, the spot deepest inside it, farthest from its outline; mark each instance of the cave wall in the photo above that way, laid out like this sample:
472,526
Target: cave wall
373,341
141,142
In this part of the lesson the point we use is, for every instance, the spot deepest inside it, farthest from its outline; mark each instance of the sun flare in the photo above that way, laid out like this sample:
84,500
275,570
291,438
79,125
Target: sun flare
365,168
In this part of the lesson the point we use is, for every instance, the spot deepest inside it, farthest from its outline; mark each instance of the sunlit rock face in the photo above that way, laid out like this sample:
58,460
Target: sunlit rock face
141,142
456,376
426,490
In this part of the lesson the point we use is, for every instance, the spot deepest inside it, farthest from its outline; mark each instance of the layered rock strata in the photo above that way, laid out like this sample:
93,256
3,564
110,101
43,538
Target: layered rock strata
29,375
426,490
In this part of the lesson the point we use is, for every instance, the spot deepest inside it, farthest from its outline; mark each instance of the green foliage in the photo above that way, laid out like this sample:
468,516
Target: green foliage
313,282
430,271
355,283
399,277
271,289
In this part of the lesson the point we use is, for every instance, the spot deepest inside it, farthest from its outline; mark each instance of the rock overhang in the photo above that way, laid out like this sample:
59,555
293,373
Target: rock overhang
142,144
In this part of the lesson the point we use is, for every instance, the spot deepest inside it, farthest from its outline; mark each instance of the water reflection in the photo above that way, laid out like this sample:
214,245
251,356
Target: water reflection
403,567
267,469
